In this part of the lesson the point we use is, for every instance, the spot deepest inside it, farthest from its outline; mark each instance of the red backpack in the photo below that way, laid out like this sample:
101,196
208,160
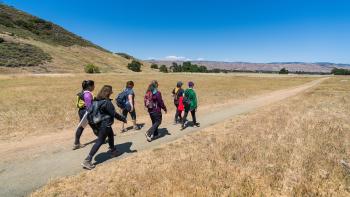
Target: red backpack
148,100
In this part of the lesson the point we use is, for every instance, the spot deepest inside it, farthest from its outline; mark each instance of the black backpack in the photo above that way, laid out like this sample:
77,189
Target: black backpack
121,99
95,116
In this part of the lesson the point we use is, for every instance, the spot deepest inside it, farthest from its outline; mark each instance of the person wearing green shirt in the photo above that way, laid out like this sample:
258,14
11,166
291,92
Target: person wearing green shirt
190,103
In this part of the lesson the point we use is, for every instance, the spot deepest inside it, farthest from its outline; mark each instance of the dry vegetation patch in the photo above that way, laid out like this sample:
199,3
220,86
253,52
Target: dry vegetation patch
291,148
32,105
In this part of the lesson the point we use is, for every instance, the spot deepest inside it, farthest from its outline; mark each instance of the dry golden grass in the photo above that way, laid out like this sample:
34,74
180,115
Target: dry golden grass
36,105
72,59
288,149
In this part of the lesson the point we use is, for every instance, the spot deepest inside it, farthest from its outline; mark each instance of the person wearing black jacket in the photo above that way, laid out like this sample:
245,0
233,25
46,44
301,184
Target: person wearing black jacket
105,130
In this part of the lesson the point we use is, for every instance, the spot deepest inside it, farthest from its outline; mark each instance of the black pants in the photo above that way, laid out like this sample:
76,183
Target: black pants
193,114
156,121
79,130
104,132
132,114
177,114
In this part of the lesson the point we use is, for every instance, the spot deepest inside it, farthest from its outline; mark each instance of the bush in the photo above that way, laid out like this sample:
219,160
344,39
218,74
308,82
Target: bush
163,69
154,66
340,71
135,66
283,71
91,68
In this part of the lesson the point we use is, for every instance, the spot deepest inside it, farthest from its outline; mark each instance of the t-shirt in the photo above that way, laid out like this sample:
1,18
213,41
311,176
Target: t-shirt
131,92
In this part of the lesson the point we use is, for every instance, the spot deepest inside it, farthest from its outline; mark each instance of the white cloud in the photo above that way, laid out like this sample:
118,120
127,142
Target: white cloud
174,57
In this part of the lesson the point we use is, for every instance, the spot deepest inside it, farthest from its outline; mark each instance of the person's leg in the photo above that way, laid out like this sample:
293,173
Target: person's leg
133,117
100,140
79,131
176,115
155,124
158,121
194,119
184,119
125,114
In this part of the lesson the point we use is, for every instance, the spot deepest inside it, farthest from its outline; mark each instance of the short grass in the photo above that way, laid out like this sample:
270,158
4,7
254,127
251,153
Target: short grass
37,105
291,148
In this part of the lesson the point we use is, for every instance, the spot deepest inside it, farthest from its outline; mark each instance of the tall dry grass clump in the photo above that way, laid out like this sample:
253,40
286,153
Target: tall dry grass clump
288,149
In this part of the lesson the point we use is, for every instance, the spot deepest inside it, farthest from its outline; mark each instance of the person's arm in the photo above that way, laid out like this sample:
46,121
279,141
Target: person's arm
161,102
88,99
111,111
131,103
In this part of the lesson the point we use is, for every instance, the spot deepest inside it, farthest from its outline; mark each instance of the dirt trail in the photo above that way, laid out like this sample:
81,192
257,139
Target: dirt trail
26,166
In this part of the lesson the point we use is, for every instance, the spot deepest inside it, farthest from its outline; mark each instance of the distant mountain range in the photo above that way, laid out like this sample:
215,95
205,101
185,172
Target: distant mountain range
321,67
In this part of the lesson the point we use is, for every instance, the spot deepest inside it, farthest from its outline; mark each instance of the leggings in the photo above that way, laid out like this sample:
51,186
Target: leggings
193,114
177,114
79,130
156,121
102,135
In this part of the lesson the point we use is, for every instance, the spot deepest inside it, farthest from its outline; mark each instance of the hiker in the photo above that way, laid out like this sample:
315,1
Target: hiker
190,104
104,111
126,102
177,93
154,103
84,101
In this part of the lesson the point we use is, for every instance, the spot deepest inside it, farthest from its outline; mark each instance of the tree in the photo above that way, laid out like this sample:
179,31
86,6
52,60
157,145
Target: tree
340,71
175,67
163,69
154,66
283,71
135,66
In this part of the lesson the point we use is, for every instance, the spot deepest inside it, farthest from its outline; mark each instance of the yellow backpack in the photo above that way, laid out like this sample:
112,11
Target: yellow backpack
80,100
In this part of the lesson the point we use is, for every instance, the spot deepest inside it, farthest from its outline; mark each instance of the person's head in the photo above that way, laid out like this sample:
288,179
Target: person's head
179,84
151,87
88,85
190,84
130,84
105,92
155,83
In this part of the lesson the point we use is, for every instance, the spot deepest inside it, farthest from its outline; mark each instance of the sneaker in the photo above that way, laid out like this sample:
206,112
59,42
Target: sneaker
123,130
88,165
197,125
149,138
77,146
136,128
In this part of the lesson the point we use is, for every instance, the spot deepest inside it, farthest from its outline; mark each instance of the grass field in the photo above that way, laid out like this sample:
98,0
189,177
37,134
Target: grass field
288,149
37,105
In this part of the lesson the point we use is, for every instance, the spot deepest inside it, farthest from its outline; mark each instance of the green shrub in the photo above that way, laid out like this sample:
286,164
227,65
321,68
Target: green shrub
163,69
91,68
154,66
283,71
135,66
340,71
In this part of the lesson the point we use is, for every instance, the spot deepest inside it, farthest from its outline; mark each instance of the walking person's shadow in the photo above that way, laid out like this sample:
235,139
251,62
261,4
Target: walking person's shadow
162,133
122,148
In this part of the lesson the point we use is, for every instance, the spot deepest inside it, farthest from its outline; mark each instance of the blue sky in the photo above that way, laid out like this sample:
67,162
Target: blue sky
236,30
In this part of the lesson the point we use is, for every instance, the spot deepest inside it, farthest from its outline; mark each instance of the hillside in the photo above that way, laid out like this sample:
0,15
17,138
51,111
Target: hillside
32,44
322,67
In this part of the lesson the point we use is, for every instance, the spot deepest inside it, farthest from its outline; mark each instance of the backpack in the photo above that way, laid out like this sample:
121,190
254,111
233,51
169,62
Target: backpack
186,101
177,96
80,100
94,115
122,98
148,100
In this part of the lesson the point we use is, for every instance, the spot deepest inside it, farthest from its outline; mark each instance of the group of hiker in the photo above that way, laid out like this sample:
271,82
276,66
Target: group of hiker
99,112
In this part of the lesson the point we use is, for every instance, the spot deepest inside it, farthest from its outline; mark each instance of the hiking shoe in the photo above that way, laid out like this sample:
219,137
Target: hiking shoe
88,165
137,128
149,138
77,146
197,124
